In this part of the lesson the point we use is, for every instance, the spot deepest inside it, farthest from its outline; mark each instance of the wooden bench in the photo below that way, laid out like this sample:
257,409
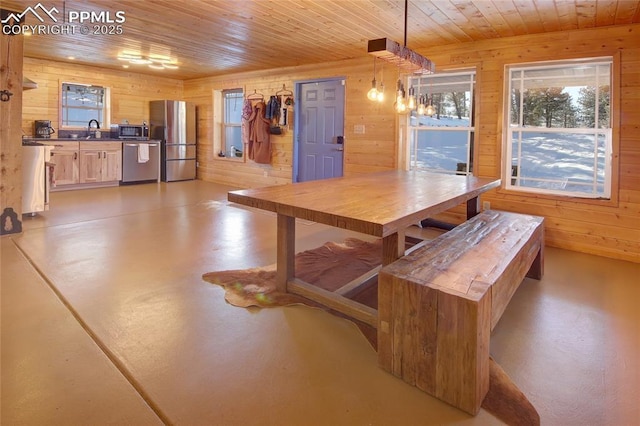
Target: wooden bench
438,305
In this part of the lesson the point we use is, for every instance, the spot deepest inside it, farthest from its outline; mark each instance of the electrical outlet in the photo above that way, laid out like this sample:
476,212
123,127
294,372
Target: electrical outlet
265,174
486,205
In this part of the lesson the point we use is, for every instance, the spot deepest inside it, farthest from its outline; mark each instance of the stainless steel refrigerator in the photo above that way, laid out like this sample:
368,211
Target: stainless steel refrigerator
174,124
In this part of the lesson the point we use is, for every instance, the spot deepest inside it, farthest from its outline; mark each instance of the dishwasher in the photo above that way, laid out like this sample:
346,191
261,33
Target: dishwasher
140,161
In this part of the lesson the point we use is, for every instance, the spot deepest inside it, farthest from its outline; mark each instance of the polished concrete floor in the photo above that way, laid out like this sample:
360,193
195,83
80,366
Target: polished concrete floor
106,320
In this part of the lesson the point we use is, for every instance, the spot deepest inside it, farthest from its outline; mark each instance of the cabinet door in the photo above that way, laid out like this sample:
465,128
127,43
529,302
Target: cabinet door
66,166
90,166
112,165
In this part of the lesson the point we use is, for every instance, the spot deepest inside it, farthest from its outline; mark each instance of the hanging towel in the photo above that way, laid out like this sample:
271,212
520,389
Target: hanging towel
143,152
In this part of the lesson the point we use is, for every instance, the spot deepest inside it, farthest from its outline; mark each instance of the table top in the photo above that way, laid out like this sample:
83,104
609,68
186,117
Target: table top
377,204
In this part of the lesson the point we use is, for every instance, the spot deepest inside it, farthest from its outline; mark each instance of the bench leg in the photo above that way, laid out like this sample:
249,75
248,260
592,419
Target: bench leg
473,207
435,340
462,361
537,267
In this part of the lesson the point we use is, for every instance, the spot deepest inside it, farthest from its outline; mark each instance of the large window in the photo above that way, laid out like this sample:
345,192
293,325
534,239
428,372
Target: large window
232,124
443,142
82,103
558,128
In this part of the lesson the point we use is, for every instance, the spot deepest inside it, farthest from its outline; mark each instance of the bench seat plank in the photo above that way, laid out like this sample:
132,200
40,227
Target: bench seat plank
438,305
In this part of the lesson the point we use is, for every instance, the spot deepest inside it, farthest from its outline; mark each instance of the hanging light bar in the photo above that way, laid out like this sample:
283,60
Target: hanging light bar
408,61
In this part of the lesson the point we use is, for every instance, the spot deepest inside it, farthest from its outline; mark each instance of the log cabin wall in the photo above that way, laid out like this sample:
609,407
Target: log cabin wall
609,229
375,150
130,92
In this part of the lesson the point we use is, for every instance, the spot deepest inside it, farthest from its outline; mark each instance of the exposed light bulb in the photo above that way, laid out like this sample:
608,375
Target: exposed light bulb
372,94
421,105
381,93
412,98
430,110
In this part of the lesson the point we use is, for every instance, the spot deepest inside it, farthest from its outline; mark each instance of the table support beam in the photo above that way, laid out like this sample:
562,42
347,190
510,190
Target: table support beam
286,241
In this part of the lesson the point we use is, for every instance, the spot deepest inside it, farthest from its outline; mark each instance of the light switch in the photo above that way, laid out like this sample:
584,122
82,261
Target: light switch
358,129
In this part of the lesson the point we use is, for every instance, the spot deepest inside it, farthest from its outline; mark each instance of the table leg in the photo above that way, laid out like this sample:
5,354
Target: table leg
285,251
473,207
391,248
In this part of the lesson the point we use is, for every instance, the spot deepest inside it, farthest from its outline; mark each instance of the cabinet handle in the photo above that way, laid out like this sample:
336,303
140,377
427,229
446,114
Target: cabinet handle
75,155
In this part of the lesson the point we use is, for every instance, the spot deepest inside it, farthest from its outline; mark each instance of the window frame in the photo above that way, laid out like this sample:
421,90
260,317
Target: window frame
609,196
413,131
105,111
231,125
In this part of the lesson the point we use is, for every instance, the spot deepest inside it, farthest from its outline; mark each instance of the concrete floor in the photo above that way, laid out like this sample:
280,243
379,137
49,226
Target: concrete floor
106,320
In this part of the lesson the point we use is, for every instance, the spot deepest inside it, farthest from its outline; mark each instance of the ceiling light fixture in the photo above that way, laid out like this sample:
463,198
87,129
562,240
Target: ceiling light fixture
153,62
407,61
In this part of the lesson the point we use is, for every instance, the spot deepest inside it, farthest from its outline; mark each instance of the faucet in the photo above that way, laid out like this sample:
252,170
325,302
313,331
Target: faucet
89,127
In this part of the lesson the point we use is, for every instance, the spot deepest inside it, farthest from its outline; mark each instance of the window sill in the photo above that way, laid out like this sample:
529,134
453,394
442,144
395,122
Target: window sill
604,202
232,159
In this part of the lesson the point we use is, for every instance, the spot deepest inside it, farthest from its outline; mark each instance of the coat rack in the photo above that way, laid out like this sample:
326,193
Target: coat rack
284,91
256,96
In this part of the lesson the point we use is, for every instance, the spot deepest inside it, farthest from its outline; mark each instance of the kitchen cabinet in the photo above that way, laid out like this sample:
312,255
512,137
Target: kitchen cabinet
100,162
65,156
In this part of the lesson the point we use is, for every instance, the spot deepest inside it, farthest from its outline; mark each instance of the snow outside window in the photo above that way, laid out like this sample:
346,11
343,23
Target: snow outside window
82,103
443,142
232,123
558,128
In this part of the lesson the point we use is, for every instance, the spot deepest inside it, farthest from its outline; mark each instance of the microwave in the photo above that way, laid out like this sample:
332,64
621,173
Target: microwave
133,131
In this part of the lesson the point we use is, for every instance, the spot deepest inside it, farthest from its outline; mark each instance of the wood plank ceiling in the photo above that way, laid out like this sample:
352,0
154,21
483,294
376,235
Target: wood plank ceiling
214,37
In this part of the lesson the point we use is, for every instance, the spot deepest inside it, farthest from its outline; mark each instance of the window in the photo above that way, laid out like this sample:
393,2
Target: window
82,103
558,139
232,124
443,142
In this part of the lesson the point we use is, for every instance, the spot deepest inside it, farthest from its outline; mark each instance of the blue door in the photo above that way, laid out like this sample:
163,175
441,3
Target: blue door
320,152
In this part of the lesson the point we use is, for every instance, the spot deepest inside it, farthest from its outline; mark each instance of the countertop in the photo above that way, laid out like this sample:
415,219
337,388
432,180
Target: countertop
45,140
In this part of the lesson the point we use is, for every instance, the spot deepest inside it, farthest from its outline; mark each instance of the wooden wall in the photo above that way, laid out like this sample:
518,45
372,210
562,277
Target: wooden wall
130,92
373,151
607,228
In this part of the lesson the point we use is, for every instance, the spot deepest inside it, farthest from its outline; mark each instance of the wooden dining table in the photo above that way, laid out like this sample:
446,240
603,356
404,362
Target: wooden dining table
380,204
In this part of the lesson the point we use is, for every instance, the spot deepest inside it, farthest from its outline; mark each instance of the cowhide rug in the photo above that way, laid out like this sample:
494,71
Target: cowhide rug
329,267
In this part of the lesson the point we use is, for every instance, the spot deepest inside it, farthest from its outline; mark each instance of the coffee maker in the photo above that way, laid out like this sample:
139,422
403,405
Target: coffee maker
43,129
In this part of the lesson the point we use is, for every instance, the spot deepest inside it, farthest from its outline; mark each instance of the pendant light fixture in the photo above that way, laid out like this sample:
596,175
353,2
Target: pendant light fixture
372,94
430,110
401,104
411,103
380,97
407,61
421,107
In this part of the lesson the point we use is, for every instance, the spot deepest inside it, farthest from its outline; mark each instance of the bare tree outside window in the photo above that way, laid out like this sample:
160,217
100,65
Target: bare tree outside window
559,133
